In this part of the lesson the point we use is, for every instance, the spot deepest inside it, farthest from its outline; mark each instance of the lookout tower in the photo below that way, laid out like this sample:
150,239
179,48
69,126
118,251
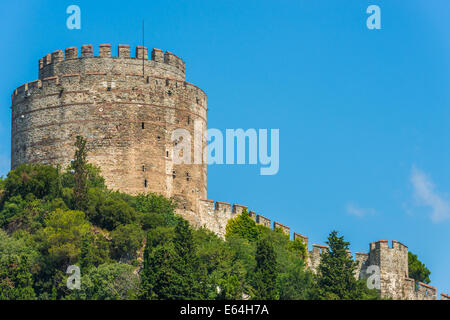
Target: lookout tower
126,108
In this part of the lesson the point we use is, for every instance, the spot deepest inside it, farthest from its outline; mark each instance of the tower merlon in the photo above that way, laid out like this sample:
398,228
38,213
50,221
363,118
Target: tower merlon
379,244
302,237
123,51
48,64
71,53
286,230
104,50
398,245
174,61
263,221
223,207
239,208
57,56
319,248
157,55
141,52
86,51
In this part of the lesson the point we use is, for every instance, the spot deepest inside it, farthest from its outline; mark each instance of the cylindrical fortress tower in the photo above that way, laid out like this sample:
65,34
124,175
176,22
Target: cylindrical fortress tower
126,107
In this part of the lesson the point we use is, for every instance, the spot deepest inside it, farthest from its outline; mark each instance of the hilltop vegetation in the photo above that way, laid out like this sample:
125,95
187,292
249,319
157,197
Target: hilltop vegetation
135,247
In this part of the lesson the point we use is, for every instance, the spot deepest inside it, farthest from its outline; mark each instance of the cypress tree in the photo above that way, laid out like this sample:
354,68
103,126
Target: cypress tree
335,278
265,274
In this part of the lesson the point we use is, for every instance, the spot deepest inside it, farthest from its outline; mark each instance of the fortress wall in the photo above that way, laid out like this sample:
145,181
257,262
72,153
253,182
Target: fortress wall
71,61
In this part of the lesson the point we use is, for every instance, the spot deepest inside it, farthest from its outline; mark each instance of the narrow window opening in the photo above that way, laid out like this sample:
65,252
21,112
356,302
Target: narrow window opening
187,176
189,120
159,138
145,183
174,174
109,88
143,168
167,154
167,82
143,125
169,93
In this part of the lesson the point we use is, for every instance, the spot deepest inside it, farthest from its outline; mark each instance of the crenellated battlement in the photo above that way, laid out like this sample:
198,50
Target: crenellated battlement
117,82
80,61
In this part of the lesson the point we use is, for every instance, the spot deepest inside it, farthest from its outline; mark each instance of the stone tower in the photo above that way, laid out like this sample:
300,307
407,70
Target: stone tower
394,272
126,107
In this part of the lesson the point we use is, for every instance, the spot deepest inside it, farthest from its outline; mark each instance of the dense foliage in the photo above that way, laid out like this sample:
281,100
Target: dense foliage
417,270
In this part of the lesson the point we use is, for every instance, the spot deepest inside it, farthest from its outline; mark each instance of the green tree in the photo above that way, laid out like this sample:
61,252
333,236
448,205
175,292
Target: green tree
417,270
335,273
111,281
335,278
94,251
79,165
156,204
108,210
94,178
17,260
63,234
266,272
172,270
299,247
41,180
126,241
242,226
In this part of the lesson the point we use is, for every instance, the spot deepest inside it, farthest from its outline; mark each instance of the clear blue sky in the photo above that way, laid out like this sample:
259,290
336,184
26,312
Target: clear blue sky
363,114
